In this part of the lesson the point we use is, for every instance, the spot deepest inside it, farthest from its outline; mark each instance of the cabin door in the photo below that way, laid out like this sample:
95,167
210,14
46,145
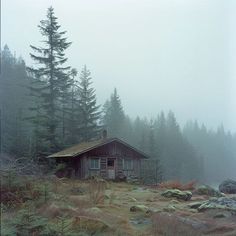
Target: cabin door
111,168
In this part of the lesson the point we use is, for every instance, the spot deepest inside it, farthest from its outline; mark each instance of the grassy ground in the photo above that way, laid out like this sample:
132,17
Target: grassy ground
51,206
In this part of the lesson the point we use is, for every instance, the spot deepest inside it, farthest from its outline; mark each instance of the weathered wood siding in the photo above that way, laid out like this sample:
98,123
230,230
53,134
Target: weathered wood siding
111,150
103,167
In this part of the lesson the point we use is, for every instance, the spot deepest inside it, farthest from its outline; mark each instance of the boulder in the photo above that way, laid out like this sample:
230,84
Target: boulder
223,203
139,208
209,191
175,193
228,186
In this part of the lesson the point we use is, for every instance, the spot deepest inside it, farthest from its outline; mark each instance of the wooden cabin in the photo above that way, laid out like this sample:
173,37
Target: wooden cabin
108,158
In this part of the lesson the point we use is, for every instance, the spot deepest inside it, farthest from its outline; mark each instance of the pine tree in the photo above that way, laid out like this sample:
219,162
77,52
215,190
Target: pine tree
114,117
73,112
89,110
67,90
14,104
174,146
160,133
55,75
152,142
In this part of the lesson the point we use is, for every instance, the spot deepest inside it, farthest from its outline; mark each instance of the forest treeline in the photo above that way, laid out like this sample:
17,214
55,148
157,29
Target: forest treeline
51,106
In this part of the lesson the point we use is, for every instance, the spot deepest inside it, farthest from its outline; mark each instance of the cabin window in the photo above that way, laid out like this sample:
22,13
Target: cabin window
95,163
128,164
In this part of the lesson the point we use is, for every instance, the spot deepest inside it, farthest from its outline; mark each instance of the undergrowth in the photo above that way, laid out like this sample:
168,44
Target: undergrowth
171,225
176,184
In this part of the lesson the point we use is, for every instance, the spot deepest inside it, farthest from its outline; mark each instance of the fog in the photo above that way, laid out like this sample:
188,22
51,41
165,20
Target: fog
140,93
159,54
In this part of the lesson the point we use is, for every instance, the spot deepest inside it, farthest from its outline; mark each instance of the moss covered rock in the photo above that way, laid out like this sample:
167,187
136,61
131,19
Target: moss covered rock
140,208
209,191
175,193
222,203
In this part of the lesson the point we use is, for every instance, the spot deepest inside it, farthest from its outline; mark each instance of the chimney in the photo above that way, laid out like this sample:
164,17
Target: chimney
104,134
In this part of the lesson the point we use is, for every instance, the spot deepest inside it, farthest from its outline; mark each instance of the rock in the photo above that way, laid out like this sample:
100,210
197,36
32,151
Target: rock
139,189
195,205
209,191
139,208
138,221
228,186
222,203
169,208
132,179
182,195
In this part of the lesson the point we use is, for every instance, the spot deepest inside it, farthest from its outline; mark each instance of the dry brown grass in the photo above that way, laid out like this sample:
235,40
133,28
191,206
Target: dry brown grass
79,202
96,191
176,184
169,225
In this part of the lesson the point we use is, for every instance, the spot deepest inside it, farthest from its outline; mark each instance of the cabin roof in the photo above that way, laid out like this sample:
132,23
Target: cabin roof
84,147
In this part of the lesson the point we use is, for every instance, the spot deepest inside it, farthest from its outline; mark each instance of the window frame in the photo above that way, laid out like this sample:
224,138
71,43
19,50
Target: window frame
91,161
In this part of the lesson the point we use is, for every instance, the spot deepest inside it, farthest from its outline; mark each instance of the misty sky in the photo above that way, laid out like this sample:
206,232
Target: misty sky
159,54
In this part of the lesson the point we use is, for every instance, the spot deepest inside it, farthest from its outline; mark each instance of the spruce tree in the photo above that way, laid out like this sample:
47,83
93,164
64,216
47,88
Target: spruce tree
89,110
152,142
55,75
73,112
14,104
114,117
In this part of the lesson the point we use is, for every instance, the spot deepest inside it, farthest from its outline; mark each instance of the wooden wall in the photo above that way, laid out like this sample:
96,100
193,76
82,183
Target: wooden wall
111,150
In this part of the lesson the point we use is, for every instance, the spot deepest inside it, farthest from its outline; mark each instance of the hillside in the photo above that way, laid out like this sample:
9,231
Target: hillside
52,206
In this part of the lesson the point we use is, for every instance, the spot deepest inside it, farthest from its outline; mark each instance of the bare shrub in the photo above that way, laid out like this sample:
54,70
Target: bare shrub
169,225
21,166
96,190
176,184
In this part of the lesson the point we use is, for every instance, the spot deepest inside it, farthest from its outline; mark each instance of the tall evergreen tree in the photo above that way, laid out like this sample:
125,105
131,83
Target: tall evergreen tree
73,112
14,104
174,144
114,116
89,110
54,73
152,150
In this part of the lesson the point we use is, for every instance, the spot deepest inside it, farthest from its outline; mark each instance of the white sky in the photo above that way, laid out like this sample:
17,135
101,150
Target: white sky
159,54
